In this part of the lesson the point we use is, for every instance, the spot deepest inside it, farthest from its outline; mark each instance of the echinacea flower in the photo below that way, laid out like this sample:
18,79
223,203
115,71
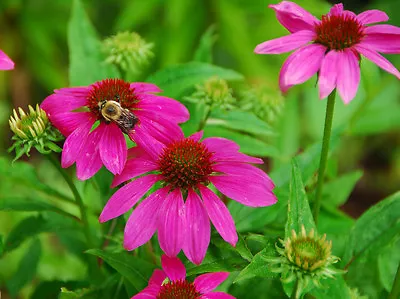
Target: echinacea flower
182,209
5,62
171,283
331,46
116,107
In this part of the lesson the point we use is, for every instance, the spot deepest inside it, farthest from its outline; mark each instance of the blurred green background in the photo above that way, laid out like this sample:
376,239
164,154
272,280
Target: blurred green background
34,35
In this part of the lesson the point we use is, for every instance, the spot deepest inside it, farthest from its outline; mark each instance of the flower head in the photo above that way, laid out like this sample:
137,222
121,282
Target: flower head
182,209
128,50
5,62
306,257
33,129
171,283
95,118
331,46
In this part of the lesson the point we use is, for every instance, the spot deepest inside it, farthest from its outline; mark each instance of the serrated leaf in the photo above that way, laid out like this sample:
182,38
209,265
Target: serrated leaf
135,270
259,266
299,212
30,205
204,50
87,62
26,269
175,80
375,228
250,145
240,248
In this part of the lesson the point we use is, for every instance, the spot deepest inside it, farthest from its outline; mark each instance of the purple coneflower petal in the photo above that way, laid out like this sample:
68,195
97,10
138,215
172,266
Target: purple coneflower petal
126,197
141,87
216,295
215,144
234,157
293,17
78,91
197,229
112,147
382,29
378,59
133,168
145,294
173,268
89,162
152,146
328,74
164,107
5,62
142,223
73,144
60,103
170,223
196,136
336,10
286,43
348,75
68,122
158,277
219,215
207,282
301,65
372,16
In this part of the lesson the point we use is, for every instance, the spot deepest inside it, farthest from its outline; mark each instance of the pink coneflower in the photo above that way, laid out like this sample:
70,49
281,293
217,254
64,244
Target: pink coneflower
116,107
182,209
5,62
171,283
331,47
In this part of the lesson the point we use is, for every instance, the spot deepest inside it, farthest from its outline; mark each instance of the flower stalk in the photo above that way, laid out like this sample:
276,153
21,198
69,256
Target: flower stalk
330,105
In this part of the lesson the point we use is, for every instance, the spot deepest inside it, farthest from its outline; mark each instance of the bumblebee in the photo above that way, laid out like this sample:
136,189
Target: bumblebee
113,112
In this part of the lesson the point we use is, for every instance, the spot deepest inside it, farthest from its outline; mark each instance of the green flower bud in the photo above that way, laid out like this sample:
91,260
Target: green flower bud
128,50
354,294
306,258
33,129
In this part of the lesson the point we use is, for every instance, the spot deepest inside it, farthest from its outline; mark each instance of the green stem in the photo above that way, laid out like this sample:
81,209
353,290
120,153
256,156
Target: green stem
395,293
294,292
203,122
77,197
330,105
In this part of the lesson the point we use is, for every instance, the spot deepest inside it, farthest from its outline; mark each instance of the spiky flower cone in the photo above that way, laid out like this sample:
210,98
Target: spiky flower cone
33,129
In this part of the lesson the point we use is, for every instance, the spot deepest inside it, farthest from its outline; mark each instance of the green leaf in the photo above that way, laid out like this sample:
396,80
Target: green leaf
240,121
86,58
332,288
259,266
388,262
204,50
135,270
337,191
51,289
26,269
299,212
30,205
250,145
375,228
228,264
240,248
175,80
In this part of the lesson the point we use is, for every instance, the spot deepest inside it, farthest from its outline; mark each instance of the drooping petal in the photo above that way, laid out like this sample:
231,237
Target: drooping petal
165,107
158,277
223,156
293,17
382,29
112,147
348,75
142,87
5,62
286,43
133,168
378,59
216,295
384,43
142,223
68,122
73,144
328,74
336,10
170,223
301,66
150,145
219,215
207,282
59,103
149,292
173,267
89,162
372,16
197,229
126,197
79,91
196,136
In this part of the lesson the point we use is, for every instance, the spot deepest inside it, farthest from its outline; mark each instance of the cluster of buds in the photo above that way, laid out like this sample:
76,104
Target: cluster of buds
214,92
33,129
305,258
128,50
